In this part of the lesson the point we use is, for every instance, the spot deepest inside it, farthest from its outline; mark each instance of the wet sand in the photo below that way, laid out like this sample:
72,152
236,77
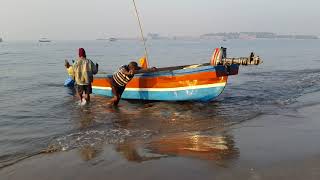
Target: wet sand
271,146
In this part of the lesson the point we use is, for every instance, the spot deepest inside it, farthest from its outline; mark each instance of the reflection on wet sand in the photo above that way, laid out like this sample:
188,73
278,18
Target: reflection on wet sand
148,131
218,148
131,153
208,147
89,152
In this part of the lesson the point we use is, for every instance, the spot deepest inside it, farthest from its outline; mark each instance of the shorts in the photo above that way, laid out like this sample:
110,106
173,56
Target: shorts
87,89
116,89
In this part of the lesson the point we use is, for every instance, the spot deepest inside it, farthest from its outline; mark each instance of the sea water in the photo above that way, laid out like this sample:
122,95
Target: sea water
37,113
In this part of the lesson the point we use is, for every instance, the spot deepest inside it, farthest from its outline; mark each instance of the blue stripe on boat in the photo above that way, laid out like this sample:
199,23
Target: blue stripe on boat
202,94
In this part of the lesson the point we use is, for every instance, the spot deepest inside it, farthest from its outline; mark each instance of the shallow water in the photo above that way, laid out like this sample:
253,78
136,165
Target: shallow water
37,113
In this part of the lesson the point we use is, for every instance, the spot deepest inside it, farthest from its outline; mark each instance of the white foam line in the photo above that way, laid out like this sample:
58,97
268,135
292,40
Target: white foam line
167,89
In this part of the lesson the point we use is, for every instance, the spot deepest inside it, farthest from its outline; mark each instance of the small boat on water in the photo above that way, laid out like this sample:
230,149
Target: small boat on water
200,82
105,39
1,40
42,40
113,39
101,39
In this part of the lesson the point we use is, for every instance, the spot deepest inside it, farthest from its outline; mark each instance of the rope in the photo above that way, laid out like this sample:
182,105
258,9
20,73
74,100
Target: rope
141,31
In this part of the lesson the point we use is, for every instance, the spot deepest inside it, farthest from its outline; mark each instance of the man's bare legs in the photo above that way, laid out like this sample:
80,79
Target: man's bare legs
80,95
116,98
87,97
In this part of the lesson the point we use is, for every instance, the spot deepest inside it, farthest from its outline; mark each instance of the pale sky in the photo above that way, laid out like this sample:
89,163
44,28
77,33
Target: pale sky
91,19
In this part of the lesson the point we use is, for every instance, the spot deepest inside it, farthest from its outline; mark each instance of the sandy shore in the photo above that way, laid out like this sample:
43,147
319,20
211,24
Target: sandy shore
271,146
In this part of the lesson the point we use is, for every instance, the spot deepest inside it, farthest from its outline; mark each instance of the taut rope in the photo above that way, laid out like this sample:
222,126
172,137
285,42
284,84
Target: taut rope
141,31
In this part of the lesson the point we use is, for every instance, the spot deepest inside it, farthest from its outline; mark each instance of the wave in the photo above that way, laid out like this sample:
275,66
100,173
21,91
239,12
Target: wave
94,137
281,87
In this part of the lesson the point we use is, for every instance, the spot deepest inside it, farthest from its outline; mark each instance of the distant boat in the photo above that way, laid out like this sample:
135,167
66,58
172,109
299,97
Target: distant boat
105,39
0,39
44,40
113,39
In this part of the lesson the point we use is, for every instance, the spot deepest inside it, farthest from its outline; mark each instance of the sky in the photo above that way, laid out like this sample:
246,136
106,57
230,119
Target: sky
91,19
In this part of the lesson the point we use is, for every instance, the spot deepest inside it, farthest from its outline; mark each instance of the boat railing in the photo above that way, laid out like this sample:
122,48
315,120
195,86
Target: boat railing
244,61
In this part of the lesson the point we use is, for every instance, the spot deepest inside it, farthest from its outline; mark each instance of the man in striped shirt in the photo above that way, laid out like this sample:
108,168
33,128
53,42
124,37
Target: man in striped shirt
120,79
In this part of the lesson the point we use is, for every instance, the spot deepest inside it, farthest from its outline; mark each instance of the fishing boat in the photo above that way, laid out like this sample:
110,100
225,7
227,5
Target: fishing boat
203,83
44,40
198,82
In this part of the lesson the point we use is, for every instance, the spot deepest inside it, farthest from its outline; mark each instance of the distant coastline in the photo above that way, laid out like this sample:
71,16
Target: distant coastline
224,36
220,36
255,35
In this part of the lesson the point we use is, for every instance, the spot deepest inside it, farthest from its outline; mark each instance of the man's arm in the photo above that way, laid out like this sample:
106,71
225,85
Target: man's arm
153,69
94,67
127,73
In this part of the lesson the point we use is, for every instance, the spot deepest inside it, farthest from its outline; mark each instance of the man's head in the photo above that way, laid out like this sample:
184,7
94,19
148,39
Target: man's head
82,53
66,64
133,66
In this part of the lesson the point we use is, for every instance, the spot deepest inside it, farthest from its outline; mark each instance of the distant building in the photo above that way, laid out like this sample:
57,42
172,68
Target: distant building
247,36
220,36
262,35
209,36
306,37
285,37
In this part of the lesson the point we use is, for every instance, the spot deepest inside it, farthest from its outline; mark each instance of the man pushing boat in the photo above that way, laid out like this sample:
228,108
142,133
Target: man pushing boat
122,77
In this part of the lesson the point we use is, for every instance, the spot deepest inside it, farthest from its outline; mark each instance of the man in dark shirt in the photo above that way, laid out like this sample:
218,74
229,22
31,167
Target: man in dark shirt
120,79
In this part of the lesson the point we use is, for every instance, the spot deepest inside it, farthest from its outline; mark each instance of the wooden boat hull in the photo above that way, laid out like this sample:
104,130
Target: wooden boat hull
203,83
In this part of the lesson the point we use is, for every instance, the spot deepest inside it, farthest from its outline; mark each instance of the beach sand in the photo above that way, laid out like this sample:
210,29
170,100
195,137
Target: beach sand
271,146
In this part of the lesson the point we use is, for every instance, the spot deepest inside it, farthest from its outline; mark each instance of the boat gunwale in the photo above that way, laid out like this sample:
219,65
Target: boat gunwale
175,71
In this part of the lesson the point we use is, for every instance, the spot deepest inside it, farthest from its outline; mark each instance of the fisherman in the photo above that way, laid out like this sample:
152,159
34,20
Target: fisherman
122,77
69,69
84,69
70,80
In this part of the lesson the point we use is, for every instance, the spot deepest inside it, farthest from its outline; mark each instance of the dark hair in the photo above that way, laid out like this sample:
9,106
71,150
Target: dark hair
66,63
133,63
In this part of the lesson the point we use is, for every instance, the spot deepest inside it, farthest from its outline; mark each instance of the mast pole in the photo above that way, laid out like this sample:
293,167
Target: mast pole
141,31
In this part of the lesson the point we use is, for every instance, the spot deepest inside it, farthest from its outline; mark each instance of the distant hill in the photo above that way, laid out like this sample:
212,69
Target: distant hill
254,35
